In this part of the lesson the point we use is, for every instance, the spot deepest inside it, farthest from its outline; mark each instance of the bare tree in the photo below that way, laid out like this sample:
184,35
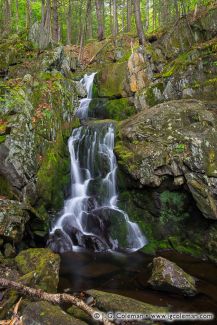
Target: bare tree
28,14
115,15
69,23
100,20
138,19
129,15
55,21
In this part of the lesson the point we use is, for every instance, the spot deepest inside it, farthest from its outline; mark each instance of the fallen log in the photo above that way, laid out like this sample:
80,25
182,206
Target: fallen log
54,298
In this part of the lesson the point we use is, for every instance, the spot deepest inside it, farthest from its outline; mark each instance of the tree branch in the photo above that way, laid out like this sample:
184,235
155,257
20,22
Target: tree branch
56,299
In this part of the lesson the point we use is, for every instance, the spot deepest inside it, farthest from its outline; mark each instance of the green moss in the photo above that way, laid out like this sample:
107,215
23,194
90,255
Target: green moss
185,246
110,80
150,96
155,245
172,207
116,109
2,138
39,267
53,176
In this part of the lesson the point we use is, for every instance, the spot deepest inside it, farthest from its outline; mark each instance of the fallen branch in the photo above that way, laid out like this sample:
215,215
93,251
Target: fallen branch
56,299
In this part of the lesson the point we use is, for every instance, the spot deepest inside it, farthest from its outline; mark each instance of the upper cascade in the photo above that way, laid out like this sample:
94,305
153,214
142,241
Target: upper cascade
87,82
91,217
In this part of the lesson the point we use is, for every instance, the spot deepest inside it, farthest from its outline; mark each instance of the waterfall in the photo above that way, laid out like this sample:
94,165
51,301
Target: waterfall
91,217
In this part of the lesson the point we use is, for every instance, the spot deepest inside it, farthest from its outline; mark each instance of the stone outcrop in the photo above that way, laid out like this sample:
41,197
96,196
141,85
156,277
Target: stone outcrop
167,276
173,140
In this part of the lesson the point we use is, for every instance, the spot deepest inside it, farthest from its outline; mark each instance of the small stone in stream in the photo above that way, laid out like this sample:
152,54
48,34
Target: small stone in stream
167,276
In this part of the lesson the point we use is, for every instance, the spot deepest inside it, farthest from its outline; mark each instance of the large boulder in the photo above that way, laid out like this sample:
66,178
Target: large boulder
167,276
175,140
112,302
39,268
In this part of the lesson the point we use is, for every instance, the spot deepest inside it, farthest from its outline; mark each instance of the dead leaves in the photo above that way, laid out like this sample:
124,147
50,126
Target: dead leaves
15,319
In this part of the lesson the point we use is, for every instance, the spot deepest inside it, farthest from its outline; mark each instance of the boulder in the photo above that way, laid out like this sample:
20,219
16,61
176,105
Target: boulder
13,218
39,268
174,140
44,313
112,302
167,276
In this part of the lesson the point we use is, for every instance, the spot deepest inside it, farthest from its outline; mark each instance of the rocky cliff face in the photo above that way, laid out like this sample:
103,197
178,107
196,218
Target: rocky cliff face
37,116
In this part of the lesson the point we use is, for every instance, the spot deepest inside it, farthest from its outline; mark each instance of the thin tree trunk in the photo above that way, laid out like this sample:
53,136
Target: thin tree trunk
110,14
28,14
17,16
56,299
129,15
147,6
115,15
99,14
55,21
69,23
7,16
138,19
89,30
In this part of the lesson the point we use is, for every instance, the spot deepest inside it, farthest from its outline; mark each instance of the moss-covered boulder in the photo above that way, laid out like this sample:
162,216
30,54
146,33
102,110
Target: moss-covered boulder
13,218
44,313
174,140
112,302
39,268
115,109
111,80
167,276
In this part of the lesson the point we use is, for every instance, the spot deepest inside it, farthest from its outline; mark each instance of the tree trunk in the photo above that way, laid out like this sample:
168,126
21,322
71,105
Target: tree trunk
89,29
28,14
55,21
99,14
69,23
56,299
115,15
147,6
129,15
138,19
17,16
7,16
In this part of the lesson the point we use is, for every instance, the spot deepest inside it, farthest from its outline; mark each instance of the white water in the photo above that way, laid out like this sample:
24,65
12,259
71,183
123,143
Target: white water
94,198
87,82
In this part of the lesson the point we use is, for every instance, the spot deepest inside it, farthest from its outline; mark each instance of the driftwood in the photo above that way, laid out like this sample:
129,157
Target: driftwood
56,299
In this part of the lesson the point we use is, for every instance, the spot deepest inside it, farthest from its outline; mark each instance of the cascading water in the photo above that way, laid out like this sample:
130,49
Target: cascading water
91,217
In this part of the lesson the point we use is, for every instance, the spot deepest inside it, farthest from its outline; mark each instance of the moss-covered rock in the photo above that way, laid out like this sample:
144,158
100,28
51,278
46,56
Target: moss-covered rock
13,218
167,276
159,144
115,109
113,302
45,313
39,268
111,80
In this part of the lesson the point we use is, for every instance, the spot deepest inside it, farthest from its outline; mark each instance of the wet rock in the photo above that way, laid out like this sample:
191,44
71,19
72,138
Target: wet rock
167,276
12,220
44,313
40,268
174,140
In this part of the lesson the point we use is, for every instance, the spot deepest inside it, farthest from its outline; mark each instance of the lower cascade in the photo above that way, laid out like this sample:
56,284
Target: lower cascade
91,217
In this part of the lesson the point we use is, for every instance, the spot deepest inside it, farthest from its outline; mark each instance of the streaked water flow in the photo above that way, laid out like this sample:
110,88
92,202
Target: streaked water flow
91,217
